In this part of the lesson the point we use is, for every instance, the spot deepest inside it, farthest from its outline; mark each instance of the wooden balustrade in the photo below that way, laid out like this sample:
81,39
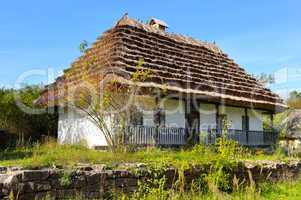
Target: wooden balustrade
171,136
246,138
165,136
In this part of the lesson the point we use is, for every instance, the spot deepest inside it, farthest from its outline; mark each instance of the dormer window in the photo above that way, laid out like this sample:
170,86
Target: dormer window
157,23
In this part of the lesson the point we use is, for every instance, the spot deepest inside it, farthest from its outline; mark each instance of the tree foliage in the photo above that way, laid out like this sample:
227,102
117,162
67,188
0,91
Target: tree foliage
289,122
15,120
106,103
265,78
109,109
294,100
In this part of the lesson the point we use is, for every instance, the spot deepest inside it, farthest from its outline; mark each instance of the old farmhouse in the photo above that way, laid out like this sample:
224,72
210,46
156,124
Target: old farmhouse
204,89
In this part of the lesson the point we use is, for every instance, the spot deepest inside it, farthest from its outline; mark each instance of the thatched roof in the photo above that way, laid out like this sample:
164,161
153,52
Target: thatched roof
177,63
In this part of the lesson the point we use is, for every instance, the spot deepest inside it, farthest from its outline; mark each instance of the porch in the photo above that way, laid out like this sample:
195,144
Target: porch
171,136
245,138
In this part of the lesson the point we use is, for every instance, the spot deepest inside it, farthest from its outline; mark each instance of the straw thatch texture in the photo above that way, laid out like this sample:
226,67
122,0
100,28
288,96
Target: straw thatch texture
179,63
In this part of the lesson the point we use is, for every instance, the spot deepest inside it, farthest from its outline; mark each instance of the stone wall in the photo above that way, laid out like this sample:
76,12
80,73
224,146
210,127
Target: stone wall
97,182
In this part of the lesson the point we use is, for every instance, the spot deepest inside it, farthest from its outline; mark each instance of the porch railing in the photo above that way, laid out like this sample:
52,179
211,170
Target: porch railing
171,136
246,138
165,136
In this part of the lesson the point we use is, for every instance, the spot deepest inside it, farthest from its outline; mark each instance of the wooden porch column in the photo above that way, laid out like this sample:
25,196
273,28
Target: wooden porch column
272,121
217,119
247,125
274,134
192,116
156,114
186,118
157,119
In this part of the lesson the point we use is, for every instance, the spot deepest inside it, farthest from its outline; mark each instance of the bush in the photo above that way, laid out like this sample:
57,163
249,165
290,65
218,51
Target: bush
230,149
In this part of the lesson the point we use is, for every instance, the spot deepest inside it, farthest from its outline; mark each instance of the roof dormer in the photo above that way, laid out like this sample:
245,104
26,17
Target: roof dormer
157,23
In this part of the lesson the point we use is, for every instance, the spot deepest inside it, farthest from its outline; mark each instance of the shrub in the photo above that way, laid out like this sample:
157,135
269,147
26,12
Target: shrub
230,149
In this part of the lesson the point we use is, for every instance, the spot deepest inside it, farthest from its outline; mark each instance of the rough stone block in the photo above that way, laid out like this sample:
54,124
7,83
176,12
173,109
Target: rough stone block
124,182
35,175
43,186
94,188
93,178
78,182
93,195
121,173
70,193
55,184
27,187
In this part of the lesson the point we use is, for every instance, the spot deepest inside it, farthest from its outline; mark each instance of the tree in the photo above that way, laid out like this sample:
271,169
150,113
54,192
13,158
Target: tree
265,78
107,103
294,100
289,121
16,121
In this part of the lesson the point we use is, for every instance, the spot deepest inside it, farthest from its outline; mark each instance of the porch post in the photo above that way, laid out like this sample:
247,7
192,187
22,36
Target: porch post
186,119
246,125
192,116
217,118
275,136
157,120
272,120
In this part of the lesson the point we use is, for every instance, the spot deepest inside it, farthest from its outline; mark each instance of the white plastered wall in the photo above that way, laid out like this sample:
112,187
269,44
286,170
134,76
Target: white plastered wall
255,120
75,127
174,112
147,105
234,116
207,116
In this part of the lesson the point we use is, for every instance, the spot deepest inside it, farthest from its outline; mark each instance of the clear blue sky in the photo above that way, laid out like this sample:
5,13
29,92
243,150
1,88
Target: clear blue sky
262,36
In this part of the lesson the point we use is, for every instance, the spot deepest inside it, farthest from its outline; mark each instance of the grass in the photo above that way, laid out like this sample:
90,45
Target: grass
281,191
290,190
53,154
224,153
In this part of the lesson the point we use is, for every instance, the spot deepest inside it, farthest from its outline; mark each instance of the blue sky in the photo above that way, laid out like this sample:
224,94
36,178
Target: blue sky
262,36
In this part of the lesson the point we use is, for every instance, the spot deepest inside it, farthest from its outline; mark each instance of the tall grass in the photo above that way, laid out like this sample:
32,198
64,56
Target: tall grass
290,190
217,184
53,154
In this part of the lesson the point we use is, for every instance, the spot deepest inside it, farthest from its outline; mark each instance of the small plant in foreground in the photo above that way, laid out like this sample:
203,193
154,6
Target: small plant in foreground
65,180
230,149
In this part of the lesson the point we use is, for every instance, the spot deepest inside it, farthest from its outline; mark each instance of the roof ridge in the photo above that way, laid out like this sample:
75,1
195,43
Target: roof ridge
125,20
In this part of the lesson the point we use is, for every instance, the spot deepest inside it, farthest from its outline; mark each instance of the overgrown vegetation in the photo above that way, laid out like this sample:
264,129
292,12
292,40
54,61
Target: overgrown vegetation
52,154
287,123
290,190
294,100
218,183
24,126
269,191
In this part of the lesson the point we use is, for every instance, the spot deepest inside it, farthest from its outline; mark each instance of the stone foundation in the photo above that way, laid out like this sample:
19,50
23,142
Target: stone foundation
97,182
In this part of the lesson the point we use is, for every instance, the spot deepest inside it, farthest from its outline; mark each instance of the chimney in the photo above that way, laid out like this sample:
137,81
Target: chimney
157,23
